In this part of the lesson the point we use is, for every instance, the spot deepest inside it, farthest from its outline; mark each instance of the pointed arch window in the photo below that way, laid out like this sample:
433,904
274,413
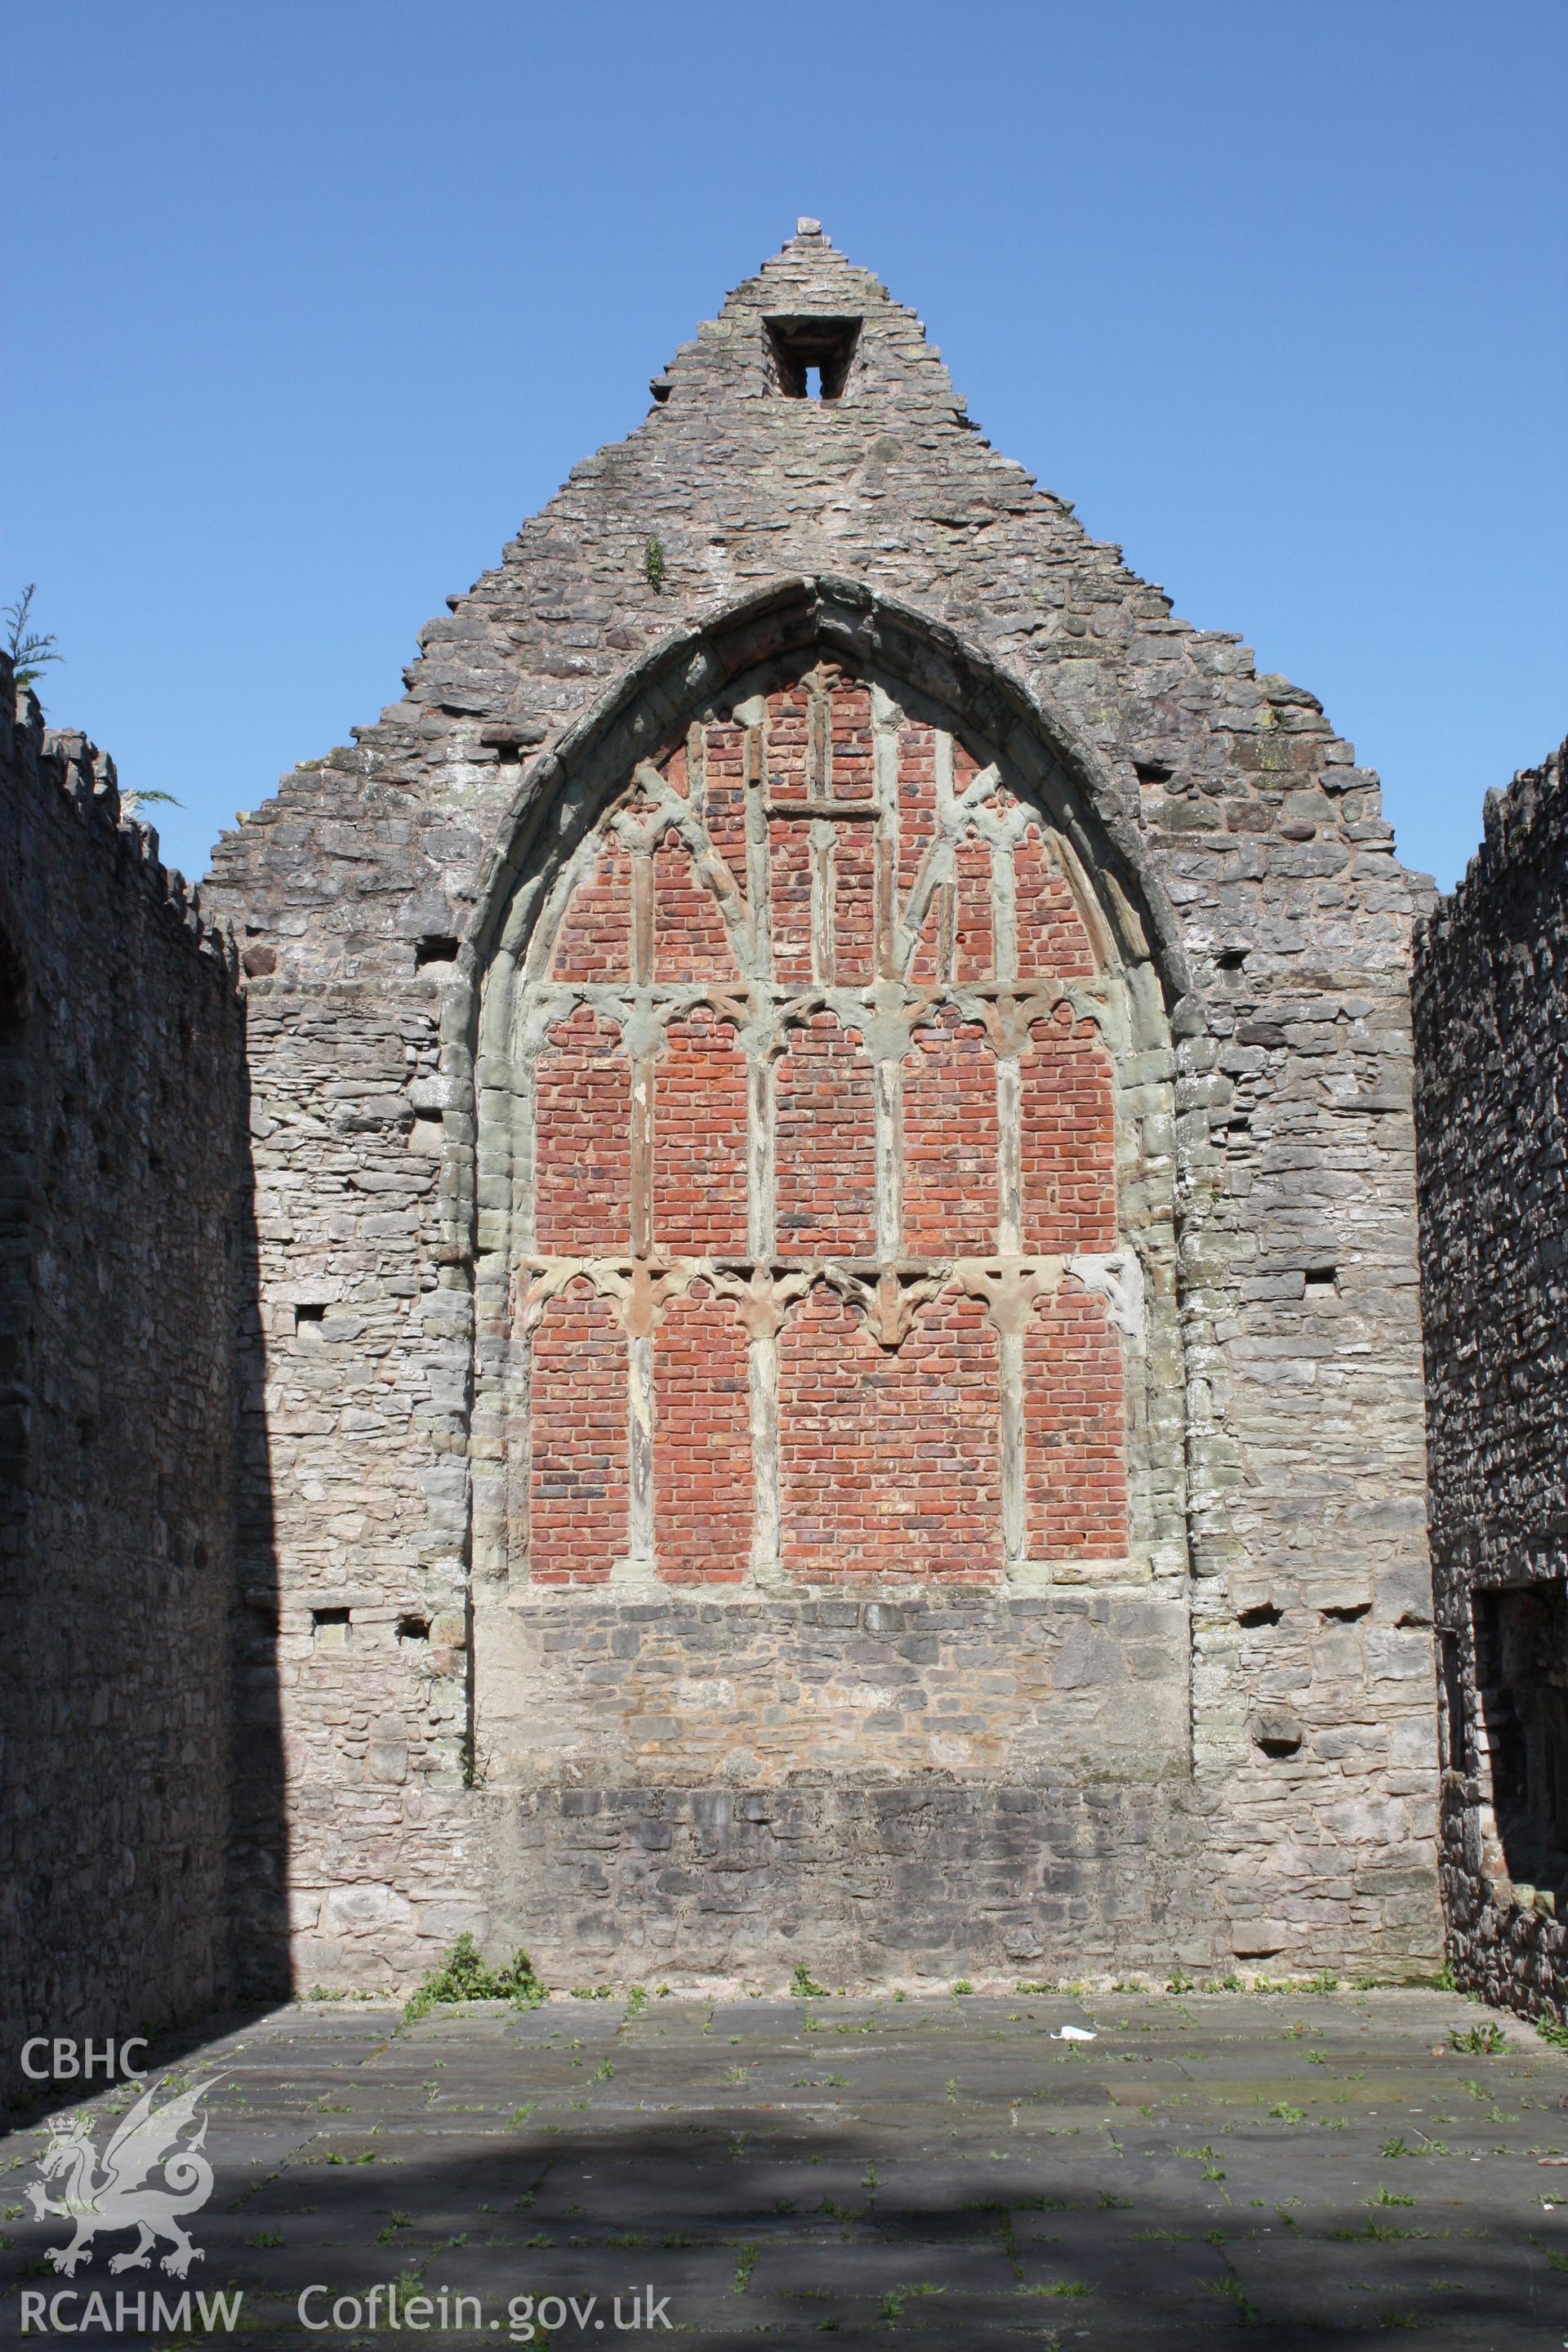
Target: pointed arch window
816,1224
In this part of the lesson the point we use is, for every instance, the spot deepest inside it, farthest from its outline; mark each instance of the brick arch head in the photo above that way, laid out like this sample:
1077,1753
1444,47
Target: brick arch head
823,1021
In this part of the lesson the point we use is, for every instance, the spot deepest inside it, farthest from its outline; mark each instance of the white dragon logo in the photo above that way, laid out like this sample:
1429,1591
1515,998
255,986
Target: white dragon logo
115,2194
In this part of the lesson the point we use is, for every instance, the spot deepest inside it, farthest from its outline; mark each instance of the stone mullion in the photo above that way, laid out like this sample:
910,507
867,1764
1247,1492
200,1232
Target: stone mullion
1009,1292
1010,1372
888,1146
822,838
885,772
759,853
640,1429
697,773
642,918
818,744
761,1193
762,1382
641,1155
1004,912
1009,1155
946,930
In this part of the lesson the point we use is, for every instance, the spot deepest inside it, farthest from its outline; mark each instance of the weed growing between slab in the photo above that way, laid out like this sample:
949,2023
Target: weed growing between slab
1480,2041
466,1975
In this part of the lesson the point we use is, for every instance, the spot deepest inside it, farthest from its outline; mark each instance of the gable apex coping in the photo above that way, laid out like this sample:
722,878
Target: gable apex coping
889,485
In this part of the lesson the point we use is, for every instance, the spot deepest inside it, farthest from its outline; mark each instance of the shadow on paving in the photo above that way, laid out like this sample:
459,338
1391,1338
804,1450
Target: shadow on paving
25,2105
941,2172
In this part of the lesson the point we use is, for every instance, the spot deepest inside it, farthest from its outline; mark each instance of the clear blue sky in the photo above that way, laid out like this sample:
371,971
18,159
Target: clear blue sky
308,305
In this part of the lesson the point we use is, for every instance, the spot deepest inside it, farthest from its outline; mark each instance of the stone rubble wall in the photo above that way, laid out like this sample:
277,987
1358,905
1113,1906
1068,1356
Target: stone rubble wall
120,1085
913,1882
1248,850
1490,1001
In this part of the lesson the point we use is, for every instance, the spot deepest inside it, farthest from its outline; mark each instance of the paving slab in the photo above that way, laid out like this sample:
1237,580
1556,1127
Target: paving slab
1334,2171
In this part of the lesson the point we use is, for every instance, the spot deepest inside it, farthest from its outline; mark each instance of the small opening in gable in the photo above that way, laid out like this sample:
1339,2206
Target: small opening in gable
435,946
811,356
1322,1278
310,1310
1265,1613
1230,959
413,1629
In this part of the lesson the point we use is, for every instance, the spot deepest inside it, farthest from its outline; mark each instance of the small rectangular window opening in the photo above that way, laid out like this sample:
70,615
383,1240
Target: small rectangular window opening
331,1627
310,1310
811,356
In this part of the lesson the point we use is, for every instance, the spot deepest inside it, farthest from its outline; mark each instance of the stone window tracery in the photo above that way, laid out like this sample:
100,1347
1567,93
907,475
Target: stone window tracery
815,1247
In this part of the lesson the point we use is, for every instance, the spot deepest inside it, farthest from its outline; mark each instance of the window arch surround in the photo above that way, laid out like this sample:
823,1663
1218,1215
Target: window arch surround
880,1280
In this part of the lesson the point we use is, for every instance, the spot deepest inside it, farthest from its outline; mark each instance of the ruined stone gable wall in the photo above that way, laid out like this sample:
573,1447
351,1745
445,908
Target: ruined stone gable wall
1491,1027
943,1376
121,1062
1295,1820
